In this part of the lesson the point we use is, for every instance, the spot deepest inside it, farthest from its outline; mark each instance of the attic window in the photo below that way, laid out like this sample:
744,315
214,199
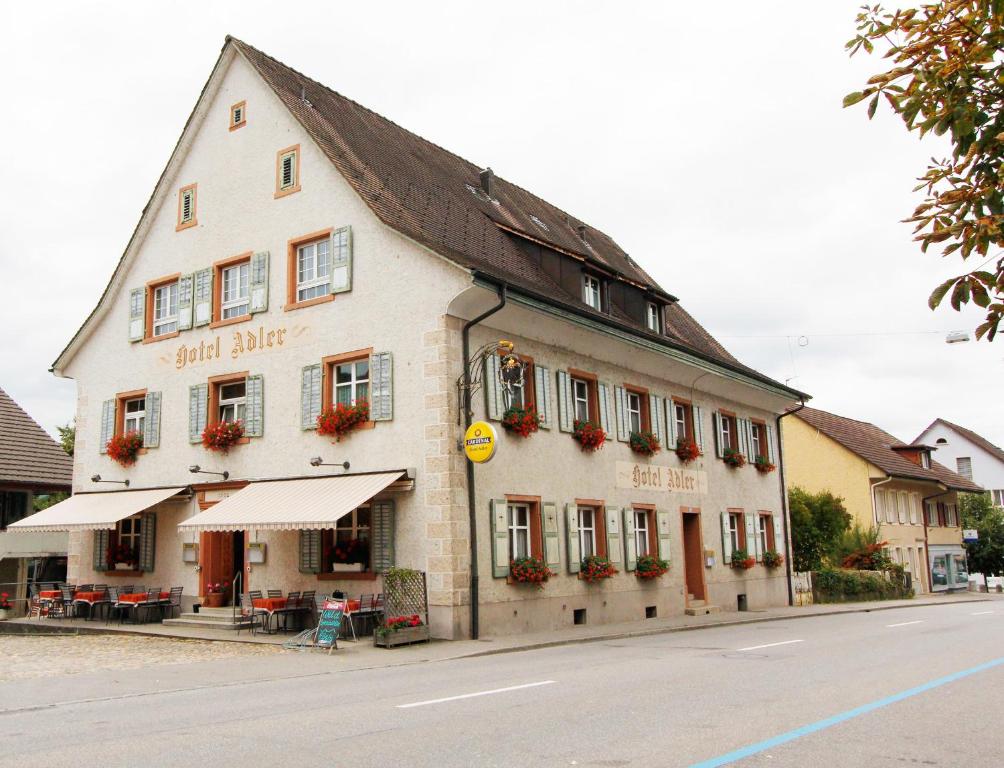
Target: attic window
238,115
539,223
925,459
186,207
653,317
287,171
592,292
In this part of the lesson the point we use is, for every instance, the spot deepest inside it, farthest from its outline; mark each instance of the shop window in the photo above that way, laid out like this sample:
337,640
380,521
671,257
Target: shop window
238,115
287,171
187,199
645,533
348,546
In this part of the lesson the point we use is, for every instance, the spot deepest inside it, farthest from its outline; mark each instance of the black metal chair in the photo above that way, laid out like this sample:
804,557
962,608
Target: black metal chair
173,602
291,608
65,607
249,614
273,593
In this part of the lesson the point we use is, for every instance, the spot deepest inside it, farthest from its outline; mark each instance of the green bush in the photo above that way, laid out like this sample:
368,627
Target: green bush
837,585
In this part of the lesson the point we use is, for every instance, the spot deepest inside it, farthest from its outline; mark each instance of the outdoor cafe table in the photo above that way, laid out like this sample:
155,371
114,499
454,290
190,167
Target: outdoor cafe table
89,597
140,597
50,594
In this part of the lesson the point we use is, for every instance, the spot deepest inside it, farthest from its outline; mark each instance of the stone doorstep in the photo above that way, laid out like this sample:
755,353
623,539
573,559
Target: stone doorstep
701,610
185,621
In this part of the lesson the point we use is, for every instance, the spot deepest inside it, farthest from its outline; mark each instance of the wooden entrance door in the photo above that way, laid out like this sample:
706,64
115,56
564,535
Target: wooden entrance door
693,552
221,556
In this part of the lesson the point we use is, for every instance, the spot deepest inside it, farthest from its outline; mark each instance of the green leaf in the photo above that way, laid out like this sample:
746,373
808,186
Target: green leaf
872,106
853,98
980,295
939,293
960,294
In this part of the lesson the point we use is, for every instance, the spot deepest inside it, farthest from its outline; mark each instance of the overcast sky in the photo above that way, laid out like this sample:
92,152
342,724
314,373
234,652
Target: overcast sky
707,139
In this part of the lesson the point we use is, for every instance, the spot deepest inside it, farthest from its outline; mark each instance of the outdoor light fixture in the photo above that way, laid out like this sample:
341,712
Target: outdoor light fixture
195,469
317,461
97,479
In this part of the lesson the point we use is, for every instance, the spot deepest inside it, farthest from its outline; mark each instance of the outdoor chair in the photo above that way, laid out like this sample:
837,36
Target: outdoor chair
291,609
172,603
65,607
101,603
35,602
367,613
274,593
249,614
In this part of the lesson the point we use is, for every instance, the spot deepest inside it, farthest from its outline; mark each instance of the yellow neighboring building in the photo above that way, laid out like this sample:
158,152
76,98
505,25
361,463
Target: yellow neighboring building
887,483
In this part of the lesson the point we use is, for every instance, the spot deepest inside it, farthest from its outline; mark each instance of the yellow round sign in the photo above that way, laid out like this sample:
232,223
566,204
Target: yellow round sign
480,441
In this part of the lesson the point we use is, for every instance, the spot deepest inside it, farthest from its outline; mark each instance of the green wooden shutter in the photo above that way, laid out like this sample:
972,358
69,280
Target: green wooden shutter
259,282
698,415
726,540
615,550
310,551
552,545
771,450
203,296
753,547
147,541
310,396
779,546
137,314
341,260
102,541
151,422
620,399
542,395
716,426
500,538
381,386
254,422
572,538
662,527
630,545
186,290
656,418
566,414
107,424
670,425
494,399
383,535
198,405
603,395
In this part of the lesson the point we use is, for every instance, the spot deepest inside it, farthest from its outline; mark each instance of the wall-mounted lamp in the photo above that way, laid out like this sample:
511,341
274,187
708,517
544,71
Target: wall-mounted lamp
195,469
317,461
97,479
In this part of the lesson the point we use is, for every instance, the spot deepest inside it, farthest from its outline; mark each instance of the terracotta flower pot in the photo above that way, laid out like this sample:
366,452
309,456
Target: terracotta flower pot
213,600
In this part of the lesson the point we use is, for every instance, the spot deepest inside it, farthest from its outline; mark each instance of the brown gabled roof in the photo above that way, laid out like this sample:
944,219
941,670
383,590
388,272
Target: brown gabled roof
435,198
876,446
971,436
28,455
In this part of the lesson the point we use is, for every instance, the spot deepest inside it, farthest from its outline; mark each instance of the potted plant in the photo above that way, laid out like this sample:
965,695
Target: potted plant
342,418
121,557
733,458
742,560
590,436
762,465
645,443
222,435
687,450
521,421
772,559
529,570
215,595
650,567
125,448
5,606
596,568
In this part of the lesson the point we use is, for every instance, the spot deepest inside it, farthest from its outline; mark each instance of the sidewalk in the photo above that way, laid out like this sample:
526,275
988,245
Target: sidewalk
363,655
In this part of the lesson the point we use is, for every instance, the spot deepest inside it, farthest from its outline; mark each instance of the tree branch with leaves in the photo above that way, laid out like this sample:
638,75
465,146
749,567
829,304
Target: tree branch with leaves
948,78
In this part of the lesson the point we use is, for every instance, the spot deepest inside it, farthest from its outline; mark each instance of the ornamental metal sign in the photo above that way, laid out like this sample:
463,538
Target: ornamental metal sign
480,441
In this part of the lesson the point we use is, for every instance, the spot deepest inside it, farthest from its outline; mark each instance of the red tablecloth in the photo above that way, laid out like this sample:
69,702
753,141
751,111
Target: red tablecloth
140,597
89,597
50,594
353,605
270,603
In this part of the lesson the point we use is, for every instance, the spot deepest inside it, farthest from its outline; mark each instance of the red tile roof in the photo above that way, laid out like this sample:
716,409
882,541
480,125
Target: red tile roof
28,455
876,446
971,436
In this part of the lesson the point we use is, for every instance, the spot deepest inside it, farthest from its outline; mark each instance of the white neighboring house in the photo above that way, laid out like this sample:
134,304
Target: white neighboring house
969,454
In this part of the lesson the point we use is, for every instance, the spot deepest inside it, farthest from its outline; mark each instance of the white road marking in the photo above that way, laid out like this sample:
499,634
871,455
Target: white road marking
982,613
769,645
906,623
472,695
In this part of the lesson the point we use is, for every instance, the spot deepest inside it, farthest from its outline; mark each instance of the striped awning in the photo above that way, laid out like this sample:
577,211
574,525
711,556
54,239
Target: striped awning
291,505
93,511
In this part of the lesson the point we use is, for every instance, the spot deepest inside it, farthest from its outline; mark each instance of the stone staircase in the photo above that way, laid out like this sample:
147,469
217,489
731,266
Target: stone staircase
699,607
209,618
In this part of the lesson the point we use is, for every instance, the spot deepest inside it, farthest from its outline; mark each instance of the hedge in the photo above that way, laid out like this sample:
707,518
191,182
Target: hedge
838,585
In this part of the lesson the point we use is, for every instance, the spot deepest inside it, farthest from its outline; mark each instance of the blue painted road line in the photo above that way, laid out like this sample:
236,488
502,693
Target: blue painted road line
820,725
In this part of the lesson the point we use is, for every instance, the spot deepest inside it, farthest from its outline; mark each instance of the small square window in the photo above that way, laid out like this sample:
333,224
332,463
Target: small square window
238,115
287,171
187,200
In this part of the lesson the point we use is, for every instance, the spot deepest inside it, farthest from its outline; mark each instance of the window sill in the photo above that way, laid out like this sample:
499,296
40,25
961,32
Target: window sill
162,337
130,574
309,302
286,192
229,321
347,576
186,225
241,124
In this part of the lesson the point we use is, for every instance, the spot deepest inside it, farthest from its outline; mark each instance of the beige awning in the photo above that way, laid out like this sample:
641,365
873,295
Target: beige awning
291,505
93,511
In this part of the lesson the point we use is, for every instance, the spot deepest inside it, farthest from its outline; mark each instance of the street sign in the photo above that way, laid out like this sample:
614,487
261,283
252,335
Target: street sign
970,534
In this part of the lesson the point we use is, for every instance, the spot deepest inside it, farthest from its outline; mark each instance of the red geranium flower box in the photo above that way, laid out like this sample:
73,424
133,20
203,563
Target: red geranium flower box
340,419
125,448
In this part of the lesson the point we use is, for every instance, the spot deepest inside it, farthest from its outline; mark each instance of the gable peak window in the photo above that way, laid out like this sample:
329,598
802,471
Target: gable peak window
186,207
592,292
653,317
238,115
287,171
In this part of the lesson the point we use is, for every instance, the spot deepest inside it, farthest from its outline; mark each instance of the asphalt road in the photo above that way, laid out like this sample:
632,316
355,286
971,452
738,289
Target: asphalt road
917,686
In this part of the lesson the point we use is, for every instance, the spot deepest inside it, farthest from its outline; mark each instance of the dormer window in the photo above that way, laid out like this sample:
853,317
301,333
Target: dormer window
591,292
925,459
238,115
653,317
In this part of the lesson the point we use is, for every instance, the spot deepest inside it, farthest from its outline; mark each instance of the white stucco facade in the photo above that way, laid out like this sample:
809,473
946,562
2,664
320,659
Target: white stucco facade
987,469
